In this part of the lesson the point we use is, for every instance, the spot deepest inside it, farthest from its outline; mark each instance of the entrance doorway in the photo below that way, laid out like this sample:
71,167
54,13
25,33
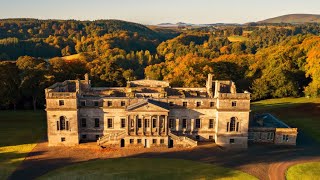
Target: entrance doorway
122,143
146,143
170,144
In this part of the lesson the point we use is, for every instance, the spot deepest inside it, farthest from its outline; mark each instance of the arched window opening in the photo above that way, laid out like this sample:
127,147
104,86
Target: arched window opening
62,123
233,124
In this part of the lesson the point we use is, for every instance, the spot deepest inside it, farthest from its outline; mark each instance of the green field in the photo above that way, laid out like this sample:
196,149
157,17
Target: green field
141,168
302,113
237,38
305,171
20,131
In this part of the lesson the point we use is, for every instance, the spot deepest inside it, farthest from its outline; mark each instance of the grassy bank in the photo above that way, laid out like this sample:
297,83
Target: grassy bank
19,133
145,169
304,171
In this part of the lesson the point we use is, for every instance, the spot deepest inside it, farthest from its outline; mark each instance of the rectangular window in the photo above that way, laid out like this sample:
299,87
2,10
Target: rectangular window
82,103
131,141
161,141
139,123
185,104
211,104
84,136
210,137
67,125
123,103
285,138
171,123
96,122
123,123
109,103
184,123
171,103
63,139
154,141
231,141
61,102
234,103
198,104
83,122
210,123
146,123
139,141
96,103
97,136
198,123
110,123
154,123
197,137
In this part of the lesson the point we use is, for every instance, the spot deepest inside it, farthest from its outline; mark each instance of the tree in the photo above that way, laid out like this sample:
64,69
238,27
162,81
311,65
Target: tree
9,83
34,77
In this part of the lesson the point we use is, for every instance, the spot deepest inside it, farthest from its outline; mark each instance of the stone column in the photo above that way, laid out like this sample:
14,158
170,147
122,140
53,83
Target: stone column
128,125
158,124
191,125
150,124
177,125
166,125
142,124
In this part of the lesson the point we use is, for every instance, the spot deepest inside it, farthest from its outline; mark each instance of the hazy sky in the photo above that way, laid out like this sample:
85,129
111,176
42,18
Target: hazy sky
157,11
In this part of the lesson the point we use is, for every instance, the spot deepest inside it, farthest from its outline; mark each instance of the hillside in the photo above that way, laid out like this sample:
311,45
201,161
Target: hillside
294,19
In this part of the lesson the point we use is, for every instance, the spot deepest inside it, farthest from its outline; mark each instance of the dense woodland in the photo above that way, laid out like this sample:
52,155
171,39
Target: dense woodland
269,60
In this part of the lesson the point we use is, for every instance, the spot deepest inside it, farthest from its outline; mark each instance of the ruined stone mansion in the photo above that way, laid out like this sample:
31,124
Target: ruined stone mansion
149,113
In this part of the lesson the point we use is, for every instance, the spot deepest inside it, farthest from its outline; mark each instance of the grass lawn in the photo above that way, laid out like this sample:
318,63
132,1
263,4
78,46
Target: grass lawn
302,113
305,171
143,168
19,133
237,38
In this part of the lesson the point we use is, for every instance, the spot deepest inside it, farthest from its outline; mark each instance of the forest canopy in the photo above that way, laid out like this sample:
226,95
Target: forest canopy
270,60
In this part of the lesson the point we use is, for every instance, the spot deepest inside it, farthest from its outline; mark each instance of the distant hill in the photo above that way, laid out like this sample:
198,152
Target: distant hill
294,19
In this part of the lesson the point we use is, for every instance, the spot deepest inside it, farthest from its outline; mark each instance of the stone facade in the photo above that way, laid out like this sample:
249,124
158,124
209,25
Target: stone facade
147,113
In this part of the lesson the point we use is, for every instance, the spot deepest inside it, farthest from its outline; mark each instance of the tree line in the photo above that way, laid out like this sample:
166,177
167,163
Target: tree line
270,61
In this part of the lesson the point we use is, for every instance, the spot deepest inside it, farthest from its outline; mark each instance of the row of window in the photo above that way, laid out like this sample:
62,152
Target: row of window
139,141
270,136
146,123
123,103
185,104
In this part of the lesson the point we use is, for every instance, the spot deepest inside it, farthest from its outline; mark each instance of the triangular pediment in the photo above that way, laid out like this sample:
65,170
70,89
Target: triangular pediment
148,105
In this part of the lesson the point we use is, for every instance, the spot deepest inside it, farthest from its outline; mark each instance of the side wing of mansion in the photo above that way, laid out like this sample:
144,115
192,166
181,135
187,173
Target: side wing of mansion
149,113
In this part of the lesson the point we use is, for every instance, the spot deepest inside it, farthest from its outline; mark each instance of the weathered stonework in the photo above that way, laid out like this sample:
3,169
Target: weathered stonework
147,113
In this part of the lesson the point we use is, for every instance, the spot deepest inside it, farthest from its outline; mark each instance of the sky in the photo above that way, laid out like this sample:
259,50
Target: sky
158,11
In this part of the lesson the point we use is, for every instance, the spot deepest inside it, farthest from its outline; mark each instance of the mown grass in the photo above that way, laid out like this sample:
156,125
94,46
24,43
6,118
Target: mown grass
237,38
141,168
302,113
305,171
19,132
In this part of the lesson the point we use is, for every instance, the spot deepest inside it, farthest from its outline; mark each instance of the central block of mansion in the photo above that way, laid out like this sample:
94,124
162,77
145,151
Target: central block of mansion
147,113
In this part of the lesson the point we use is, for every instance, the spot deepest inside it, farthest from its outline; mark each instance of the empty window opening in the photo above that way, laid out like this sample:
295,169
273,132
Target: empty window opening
210,123
185,104
96,122
110,123
234,103
198,123
123,123
61,102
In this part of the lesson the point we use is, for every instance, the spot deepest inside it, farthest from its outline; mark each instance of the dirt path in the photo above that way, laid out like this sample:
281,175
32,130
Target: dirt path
263,162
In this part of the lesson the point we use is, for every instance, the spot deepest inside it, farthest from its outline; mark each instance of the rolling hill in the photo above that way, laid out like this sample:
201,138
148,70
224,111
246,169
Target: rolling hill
294,19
